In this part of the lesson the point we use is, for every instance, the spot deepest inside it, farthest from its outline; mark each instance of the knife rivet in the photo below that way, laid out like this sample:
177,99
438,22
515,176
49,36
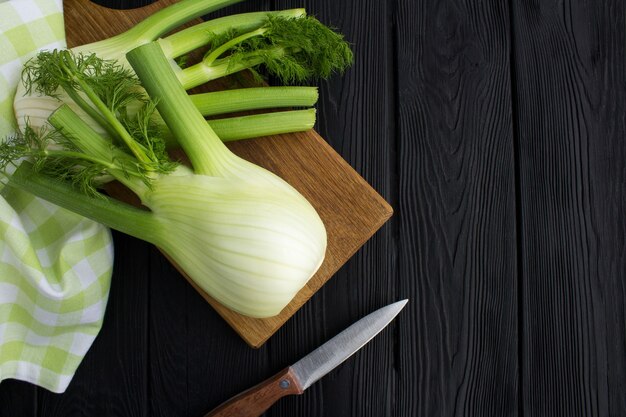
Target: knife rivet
284,384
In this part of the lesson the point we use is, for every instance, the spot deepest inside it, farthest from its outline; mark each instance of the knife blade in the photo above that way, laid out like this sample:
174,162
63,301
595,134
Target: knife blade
296,378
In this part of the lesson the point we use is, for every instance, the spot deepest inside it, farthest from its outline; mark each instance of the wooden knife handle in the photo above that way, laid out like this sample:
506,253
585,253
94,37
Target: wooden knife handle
256,400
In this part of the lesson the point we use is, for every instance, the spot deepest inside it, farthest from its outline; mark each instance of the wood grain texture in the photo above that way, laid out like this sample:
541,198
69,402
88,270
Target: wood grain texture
256,400
350,209
456,210
18,398
569,72
355,116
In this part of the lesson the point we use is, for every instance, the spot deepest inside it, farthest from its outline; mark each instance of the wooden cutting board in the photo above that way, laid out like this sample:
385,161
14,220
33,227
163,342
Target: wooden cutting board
351,210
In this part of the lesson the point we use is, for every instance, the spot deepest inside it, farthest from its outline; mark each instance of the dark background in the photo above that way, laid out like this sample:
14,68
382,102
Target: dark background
497,132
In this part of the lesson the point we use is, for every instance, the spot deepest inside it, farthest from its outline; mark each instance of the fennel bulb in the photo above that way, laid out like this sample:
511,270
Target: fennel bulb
250,246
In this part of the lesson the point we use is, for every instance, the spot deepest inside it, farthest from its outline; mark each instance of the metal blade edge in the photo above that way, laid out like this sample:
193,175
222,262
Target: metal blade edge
335,351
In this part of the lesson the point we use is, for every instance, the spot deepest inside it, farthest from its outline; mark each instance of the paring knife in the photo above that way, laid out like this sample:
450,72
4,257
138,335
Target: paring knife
302,374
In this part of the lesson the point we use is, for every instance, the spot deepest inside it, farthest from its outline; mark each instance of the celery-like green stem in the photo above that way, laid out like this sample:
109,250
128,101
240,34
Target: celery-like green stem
173,16
78,155
153,27
123,217
189,39
252,126
115,124
89,109
243,99
255,125
206,152
91,143
201,73
217,52
79,133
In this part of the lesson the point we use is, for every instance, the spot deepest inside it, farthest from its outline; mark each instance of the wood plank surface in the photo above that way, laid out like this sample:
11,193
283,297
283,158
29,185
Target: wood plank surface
496,130
18,398
113,378
358,123
456,210
569,75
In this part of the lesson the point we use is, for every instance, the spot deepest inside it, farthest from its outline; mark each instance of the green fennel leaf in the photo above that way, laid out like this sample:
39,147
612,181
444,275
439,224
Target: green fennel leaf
134,149
292,49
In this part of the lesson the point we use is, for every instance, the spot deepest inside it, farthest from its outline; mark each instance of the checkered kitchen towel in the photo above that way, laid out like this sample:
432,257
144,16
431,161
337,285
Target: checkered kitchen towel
55,266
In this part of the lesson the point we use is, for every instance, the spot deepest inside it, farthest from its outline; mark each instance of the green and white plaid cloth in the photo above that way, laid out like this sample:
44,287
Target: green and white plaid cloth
55,266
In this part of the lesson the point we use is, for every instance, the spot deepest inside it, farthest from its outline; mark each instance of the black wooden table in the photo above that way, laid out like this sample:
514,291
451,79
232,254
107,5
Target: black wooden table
497,131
